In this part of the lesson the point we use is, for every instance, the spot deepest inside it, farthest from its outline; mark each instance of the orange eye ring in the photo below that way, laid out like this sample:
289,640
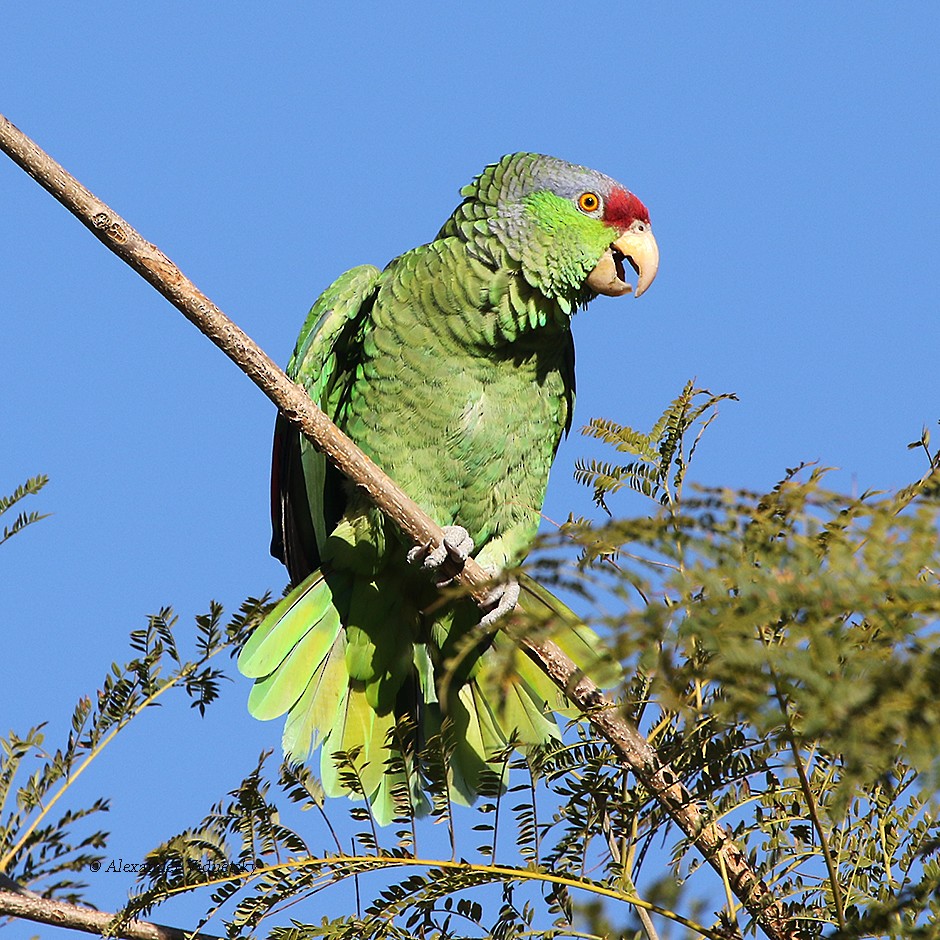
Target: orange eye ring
589,202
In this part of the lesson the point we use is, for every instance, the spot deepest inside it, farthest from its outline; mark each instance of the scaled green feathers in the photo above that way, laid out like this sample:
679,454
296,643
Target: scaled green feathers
454,370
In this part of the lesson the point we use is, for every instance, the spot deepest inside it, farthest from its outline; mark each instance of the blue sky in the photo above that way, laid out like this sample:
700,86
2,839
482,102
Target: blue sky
787,153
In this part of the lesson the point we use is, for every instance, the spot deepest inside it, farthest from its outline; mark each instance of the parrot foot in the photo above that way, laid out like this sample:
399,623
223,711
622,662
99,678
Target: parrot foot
455,548
504,596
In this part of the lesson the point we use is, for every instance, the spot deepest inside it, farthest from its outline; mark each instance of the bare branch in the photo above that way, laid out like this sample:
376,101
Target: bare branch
711,839
29,906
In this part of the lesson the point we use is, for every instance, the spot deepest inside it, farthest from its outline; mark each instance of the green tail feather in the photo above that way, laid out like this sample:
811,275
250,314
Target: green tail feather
339,655
297,613
338,682
294,640
371,741
578,641
478,739
491,709
280,691
318,707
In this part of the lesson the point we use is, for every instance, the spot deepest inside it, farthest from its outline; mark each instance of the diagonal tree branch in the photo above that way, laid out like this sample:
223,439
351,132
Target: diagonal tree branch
17,902
711,839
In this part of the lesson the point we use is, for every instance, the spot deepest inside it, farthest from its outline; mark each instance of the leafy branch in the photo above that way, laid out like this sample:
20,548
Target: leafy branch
811,619
662,453
444,877
271,867
37,847
32,486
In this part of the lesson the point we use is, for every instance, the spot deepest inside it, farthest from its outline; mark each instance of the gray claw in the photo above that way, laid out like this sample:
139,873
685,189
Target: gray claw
504,596
455,547
418,553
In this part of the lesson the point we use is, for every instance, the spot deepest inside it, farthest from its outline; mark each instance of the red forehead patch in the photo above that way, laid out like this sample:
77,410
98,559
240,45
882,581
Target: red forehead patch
623,208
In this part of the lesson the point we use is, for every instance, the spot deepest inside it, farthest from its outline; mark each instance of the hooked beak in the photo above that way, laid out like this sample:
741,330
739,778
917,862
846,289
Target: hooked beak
641,250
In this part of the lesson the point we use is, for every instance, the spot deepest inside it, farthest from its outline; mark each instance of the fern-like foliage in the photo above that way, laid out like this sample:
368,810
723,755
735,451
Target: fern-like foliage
662,455
779,650
39,847
32,486
257,867
787,656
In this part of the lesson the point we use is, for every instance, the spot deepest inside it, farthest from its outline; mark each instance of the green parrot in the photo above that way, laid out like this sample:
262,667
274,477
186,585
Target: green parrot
453,369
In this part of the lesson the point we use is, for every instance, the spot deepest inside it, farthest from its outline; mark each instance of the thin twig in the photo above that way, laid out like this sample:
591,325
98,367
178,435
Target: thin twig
75,773
811,806
711,839
617,855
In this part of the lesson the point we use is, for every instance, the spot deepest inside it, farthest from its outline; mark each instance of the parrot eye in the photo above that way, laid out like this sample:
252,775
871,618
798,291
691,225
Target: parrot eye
589,202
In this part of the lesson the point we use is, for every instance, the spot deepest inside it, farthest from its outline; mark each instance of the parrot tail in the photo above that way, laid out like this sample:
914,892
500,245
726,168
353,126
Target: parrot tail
497,697
325,656
340,691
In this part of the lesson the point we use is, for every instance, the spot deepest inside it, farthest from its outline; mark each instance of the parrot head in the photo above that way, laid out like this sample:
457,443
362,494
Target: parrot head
570,228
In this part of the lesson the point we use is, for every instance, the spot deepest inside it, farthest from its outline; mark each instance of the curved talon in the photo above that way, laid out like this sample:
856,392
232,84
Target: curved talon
455,548
456,545
504,596
418,553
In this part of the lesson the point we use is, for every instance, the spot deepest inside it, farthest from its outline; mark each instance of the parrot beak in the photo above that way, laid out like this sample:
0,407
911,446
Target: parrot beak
637,247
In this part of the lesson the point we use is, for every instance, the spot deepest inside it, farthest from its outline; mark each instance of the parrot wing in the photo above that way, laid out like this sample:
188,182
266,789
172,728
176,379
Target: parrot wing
307,497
